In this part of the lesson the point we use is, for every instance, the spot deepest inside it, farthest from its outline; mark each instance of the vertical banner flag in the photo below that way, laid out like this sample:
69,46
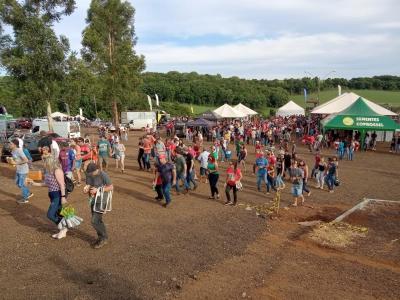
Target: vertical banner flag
157,101
191,108
305,95
150,104
80,112
339,90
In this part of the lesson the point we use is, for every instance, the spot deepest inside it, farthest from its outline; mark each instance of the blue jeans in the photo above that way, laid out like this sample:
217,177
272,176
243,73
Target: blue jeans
260,178
55,207
270,183
351,154
279,181
166,188
20,182
146,160
180,177
190,179
330,181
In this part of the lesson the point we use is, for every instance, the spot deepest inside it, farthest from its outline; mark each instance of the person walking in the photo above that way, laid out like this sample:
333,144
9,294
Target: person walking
104,152
242,157
261,170
303,166
180,168
67,159
280,167
331,174
119,154
203,158
140,159
96,179
213,176
233,176
296,176
54,181
21,162
77,162
190,171
167,173
320,176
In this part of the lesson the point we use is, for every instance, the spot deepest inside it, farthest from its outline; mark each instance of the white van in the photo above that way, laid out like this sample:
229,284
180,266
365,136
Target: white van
137,120
65,129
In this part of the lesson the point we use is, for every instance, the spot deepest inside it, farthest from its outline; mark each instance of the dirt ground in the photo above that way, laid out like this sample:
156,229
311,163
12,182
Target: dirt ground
199,248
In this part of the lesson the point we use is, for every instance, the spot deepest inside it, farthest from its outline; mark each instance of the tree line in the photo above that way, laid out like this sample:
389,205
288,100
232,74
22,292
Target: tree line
107,76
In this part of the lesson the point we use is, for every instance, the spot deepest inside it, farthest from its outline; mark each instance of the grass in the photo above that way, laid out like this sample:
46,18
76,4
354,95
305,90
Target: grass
199,109
377,96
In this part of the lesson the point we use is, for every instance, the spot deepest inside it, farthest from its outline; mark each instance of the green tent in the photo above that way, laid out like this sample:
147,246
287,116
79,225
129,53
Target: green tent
359,116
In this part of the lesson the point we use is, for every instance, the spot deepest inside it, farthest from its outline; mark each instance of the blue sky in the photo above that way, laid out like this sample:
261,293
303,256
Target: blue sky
262,38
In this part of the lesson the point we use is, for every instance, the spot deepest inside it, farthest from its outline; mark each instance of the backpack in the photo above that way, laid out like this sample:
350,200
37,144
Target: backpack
69,185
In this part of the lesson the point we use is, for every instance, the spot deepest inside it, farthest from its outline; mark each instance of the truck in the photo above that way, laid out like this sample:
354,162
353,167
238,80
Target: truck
65,129
137,120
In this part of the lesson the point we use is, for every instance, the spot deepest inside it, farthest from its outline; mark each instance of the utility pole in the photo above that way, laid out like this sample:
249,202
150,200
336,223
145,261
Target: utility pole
95,106
319,81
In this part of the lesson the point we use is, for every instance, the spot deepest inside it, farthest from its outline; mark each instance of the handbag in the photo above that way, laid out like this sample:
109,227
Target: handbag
239,186
102,201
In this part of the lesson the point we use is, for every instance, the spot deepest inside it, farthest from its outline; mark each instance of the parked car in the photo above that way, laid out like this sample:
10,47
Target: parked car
24,124
31,142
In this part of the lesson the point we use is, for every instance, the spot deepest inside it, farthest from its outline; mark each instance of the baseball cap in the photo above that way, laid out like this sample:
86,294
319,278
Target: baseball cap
91,168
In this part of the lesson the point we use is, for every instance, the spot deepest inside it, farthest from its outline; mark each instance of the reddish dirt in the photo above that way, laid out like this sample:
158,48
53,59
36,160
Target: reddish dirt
199,248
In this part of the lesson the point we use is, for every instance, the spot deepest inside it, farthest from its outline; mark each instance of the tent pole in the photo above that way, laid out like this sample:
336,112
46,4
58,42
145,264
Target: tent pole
362,138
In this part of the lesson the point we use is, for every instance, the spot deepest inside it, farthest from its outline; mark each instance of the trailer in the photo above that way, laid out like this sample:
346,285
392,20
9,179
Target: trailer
65,129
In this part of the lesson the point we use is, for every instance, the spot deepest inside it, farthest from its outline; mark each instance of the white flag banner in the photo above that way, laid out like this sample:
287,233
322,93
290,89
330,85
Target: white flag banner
339,90
80,112
150,104
157,101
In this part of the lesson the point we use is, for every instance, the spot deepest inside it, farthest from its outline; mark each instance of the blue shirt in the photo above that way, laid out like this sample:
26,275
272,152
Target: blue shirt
262,164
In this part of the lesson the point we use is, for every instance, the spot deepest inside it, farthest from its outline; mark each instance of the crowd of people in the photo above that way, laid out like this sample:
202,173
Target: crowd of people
181,164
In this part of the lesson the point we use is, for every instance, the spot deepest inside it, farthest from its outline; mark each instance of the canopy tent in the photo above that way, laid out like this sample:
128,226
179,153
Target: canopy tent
343,101
58,114
210,115
228,112
244,109
200,123
359,116
290,109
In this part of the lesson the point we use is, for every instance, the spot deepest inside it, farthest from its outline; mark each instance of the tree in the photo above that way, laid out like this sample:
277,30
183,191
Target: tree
108,42
35,57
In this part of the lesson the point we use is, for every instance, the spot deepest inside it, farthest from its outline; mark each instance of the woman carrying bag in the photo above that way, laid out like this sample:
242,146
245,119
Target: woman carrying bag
233,177
54,180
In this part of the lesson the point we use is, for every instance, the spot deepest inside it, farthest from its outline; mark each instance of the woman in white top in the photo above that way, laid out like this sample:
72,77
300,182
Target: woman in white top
119,154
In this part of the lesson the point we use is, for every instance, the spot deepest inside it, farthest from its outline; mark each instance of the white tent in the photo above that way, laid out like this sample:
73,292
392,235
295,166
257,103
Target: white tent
227,111
343,101
290,109
244,109
58,114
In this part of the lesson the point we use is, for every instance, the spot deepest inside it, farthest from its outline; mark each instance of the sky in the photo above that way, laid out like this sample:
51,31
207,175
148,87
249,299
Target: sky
262,38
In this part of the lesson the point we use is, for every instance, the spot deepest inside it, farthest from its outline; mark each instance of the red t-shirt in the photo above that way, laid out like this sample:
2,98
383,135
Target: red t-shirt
233,176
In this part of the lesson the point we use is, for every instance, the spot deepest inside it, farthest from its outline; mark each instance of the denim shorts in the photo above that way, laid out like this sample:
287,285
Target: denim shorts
78,164
297,190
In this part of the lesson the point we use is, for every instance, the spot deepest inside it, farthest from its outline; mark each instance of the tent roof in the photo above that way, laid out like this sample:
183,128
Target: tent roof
246,110
210,115
290,108
227,111
200,123
343,101
58,114
359,116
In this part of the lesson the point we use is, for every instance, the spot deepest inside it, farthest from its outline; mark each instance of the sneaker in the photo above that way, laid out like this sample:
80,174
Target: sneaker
165,205
228,203
100,244
30,196
22,201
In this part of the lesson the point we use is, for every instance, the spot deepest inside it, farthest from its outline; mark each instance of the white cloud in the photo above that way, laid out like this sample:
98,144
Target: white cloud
267,58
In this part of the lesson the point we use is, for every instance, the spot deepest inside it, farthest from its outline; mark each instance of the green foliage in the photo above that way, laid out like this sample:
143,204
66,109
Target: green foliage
35,57
175,109
108,42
